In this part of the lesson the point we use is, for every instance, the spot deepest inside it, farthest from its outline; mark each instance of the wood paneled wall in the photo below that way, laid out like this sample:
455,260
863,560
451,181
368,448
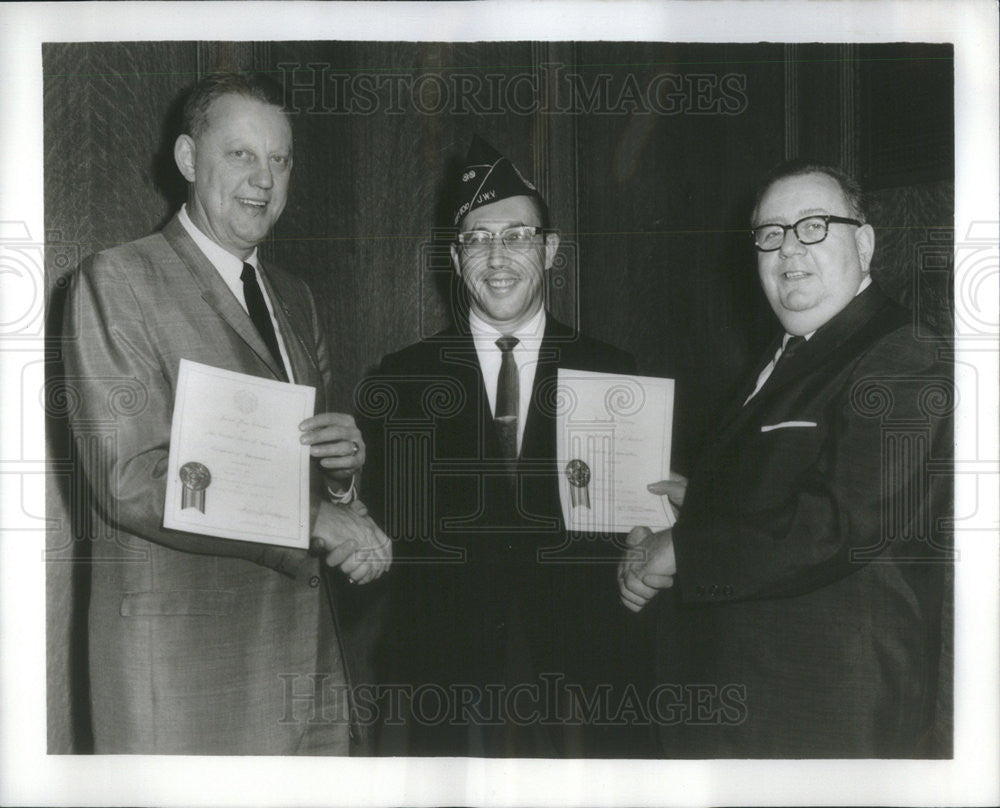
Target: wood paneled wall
647,153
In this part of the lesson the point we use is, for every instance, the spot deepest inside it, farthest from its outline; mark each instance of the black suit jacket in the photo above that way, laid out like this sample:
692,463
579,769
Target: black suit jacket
488,588
809,581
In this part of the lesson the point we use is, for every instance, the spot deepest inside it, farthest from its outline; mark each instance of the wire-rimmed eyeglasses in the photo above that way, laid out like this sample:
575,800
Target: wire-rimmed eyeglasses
521,237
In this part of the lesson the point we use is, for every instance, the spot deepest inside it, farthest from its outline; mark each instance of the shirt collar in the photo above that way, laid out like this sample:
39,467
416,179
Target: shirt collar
221,259
531,330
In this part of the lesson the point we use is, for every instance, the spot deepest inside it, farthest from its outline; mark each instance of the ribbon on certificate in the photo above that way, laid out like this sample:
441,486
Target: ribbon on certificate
195,478
578,474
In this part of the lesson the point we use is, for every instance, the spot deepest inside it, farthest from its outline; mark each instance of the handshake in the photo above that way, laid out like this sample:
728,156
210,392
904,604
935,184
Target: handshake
350,539
345,534
649,564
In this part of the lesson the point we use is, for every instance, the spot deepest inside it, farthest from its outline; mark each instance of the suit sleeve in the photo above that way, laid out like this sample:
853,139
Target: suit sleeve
122,415
863,493
321,347
369,397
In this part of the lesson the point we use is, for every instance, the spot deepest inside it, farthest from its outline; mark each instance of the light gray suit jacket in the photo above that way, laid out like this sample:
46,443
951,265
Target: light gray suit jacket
197,645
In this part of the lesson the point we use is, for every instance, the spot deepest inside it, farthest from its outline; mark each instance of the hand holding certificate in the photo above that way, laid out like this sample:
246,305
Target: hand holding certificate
612,439
237,469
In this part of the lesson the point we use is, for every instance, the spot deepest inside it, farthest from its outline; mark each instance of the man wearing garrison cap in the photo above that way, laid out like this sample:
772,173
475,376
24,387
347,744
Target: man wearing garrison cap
495,609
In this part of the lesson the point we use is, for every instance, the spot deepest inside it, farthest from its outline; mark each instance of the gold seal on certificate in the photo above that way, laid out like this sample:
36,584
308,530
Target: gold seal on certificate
246,430
612,440
196,478
578,474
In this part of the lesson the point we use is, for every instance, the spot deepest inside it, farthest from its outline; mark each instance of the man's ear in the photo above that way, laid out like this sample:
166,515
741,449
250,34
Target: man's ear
864,237
551,248
454,260
184,156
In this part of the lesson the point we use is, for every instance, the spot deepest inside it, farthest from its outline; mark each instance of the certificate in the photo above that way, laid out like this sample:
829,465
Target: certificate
236,468
612,440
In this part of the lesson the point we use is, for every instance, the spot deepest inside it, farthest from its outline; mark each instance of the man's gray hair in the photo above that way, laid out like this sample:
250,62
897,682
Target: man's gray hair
796,168
258,86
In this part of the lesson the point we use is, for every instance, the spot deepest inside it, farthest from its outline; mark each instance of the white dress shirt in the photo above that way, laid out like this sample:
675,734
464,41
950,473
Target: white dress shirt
765,374
230,268
525,353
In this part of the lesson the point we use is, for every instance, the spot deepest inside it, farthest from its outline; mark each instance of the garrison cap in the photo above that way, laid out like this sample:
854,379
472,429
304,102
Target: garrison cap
486,177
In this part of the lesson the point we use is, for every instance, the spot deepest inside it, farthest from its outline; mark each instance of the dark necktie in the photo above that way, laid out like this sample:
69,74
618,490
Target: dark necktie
508,397
257,309
790,348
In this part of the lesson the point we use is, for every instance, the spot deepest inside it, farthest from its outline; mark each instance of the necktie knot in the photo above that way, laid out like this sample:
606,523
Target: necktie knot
249,274
506,344
793,344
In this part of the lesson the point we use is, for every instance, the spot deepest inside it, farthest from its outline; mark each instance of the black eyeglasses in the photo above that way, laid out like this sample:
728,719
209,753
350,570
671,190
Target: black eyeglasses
810,230
513,238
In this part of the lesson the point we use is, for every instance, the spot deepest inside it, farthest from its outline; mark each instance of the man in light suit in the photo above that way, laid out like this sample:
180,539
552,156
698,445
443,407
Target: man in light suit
489,592
202,645
805,573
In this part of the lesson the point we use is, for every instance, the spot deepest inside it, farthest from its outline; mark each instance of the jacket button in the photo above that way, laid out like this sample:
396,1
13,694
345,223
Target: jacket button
727,590
699,591
314,581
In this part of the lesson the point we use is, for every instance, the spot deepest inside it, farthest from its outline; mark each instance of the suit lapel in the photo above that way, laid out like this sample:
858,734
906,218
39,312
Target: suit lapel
539,430
829,340
291,322
538,463
457,355
215,292
738,412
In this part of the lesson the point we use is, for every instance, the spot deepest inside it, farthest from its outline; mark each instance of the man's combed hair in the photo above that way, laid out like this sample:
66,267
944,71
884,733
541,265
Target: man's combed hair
215,85
796,168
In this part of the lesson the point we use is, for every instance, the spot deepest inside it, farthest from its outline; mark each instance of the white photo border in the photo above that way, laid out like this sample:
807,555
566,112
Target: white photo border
31,777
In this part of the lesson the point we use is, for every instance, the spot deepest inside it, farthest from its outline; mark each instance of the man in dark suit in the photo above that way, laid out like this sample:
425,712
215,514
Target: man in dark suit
495,606
806,575
199,644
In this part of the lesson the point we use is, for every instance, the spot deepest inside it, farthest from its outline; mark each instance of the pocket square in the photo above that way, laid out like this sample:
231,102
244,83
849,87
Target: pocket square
787,425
